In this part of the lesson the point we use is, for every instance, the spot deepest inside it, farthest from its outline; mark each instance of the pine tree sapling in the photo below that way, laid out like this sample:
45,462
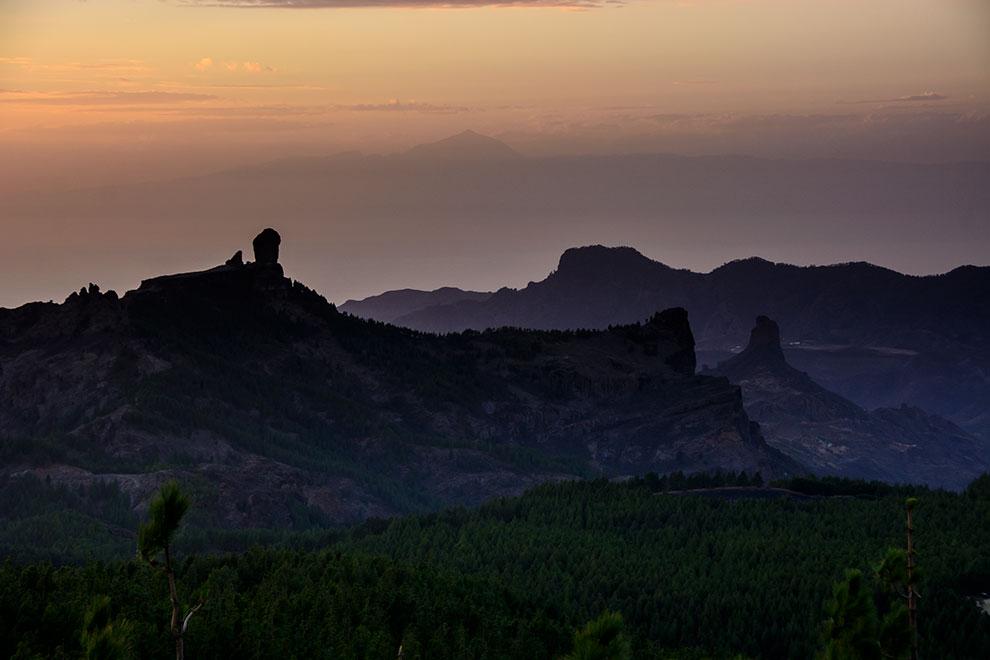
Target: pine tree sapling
155,547
602,639
164,515
102,637
851,621
912,593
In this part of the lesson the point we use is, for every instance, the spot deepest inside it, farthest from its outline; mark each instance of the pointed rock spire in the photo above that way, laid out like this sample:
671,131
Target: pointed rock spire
764,340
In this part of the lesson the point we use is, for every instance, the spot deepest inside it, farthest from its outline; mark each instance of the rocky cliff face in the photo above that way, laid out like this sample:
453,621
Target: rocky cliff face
835,436
277,408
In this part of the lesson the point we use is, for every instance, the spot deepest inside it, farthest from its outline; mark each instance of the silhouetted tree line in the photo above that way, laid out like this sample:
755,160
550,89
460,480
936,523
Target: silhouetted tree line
677,481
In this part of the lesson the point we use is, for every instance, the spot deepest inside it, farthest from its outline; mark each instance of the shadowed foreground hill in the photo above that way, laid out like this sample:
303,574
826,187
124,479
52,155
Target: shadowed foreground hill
279,410
833,435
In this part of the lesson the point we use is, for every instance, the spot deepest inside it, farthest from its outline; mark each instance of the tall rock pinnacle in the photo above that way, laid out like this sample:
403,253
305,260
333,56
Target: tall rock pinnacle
266,246
764,340
763,354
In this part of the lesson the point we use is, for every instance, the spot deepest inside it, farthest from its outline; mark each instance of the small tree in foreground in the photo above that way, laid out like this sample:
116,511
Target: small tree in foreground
155,547
865,624
103,638
912,591
979,488
894,582
851,621
602,639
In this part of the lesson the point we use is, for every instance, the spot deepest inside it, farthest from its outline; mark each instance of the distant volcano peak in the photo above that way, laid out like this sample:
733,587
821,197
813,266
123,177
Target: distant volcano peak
466,145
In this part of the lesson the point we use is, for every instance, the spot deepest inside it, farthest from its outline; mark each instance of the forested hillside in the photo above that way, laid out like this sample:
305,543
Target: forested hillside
709,573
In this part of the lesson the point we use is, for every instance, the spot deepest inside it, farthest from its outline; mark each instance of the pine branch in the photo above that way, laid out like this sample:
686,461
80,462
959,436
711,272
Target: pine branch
185,621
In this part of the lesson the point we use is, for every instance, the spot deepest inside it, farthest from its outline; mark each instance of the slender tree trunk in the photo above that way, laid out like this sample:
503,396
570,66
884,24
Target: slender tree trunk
912,595
174,597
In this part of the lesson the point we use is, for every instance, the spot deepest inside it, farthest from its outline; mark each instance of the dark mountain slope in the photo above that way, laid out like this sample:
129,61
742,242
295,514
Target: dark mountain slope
834,436
876,336
592,287
282,410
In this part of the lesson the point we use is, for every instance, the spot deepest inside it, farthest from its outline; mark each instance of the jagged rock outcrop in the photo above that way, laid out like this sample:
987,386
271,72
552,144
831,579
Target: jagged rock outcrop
271,402
833,435
671,326
236,260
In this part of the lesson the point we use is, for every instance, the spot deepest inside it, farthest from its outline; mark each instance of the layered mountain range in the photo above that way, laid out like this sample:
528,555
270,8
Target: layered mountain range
833,435
278,409
874,336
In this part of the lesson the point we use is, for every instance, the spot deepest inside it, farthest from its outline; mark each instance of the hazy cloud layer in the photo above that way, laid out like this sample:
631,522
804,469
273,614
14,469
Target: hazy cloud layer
911,98
907,133
208,64
340,4
289,110
404,106
98,98
119,65
927,96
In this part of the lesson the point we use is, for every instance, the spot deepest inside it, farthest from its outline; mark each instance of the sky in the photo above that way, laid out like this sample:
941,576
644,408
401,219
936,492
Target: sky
111,92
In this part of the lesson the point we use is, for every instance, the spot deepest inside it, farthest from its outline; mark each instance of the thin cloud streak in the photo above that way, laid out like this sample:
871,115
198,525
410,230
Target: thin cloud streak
208,63
912,98
404,106
352,4
110,65
101,98
286,110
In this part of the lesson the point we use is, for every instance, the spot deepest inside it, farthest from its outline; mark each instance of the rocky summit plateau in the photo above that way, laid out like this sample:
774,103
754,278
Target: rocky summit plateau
279,410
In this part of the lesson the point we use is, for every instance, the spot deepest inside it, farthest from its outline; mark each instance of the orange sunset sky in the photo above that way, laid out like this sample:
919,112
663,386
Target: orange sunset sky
133,83
114,92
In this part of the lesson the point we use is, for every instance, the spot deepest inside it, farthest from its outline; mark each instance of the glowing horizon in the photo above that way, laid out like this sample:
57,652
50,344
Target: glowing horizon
114,92
690,77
